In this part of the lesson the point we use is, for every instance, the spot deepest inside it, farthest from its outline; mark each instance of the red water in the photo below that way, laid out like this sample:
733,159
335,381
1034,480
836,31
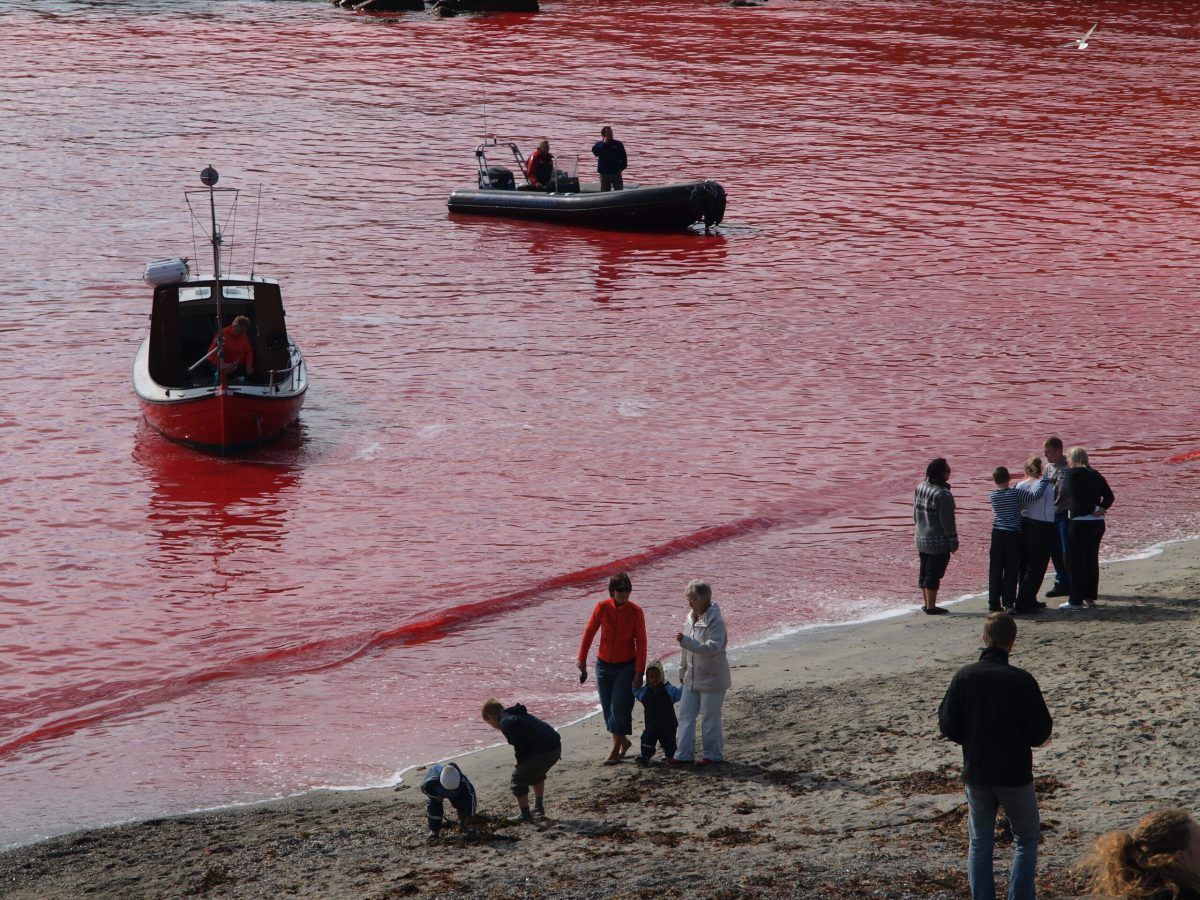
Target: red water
946,235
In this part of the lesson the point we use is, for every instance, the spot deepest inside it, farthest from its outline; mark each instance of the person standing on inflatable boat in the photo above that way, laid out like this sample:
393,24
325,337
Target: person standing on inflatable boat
611,160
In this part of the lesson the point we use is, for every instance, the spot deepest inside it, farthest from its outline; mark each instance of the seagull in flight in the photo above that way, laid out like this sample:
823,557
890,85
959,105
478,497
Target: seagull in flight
1082,43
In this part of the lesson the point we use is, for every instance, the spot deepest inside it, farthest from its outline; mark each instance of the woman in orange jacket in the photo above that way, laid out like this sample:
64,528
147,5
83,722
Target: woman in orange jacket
620,660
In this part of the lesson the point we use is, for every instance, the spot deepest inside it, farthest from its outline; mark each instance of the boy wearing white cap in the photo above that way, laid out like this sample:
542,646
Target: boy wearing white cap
447,782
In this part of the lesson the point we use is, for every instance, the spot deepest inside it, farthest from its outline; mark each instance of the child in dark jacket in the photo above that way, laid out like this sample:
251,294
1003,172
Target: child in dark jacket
536,746
658,698
447,782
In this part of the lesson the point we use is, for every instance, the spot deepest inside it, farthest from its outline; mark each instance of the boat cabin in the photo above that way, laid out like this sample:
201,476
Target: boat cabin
184,322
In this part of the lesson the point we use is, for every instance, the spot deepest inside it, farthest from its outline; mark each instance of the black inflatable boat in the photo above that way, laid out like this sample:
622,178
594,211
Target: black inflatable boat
501,192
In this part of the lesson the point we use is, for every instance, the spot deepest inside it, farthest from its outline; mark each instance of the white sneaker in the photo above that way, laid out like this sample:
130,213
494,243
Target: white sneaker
1070,605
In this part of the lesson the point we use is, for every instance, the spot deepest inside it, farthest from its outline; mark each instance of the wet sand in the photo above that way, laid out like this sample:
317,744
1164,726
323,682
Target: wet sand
837,785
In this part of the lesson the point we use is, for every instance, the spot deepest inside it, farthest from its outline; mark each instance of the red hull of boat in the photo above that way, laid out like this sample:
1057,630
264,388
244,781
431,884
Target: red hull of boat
223,423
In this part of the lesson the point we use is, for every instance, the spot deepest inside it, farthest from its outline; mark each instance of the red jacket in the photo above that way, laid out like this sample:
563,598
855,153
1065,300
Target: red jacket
622,633
539,168
237,349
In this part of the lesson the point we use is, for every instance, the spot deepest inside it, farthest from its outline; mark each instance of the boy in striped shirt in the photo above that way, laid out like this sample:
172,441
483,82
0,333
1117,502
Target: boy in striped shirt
1004,557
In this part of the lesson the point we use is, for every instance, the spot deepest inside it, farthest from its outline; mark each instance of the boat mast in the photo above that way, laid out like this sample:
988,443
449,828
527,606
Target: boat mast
209,178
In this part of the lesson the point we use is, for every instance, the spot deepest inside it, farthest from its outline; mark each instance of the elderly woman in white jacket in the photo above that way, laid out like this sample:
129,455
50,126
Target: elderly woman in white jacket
704,675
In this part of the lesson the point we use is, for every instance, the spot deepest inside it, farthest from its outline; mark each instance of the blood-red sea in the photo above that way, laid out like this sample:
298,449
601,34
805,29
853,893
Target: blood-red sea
947,235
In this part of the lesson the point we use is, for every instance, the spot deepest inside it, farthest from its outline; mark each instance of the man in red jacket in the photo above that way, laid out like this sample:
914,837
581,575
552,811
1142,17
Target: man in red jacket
539,168
237,350
620,661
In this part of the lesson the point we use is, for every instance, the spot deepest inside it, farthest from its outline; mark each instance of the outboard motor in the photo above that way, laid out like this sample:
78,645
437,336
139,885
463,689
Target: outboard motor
708,200
501,178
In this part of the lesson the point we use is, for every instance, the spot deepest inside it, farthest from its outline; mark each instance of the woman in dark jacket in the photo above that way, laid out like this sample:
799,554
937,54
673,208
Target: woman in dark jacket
1088,497
937,534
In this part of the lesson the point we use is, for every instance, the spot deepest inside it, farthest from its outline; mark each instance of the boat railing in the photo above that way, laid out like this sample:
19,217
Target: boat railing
194,366
273,372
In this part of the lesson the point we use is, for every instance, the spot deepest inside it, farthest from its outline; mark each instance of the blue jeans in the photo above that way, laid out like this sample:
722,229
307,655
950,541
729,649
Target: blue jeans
615,686
1059,553
1020,805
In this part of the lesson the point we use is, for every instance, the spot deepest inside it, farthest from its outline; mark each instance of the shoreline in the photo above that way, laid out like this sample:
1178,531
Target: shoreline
831,732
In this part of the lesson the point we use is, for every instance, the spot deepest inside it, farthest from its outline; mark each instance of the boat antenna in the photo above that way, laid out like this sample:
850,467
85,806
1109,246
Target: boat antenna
209,179
228,230
257,210
195,252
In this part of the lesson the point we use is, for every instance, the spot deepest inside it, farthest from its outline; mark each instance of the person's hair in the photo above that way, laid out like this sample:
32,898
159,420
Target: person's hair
1055,442
1077,456
999,630
606,131
1000,475
936,470
1144,862
244,321
1033,467
544,145
700,588
493,708
619,582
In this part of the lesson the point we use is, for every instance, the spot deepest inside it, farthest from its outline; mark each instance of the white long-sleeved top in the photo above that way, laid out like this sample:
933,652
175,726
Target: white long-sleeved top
1041,509
703,666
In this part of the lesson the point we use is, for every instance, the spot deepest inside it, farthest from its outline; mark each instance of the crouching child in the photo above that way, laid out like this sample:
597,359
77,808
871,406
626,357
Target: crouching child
658,698
537,748
447,782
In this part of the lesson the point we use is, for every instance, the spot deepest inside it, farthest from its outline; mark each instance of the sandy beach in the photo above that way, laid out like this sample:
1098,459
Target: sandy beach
838,783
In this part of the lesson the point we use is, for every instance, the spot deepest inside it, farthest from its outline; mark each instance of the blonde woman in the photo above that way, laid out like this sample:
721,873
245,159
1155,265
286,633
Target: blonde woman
1158,860
1088,499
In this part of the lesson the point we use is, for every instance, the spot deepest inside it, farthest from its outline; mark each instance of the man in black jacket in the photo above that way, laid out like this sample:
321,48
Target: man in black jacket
997,713
611,160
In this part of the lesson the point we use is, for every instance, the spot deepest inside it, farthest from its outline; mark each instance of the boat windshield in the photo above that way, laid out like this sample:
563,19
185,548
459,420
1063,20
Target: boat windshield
566,165
228,292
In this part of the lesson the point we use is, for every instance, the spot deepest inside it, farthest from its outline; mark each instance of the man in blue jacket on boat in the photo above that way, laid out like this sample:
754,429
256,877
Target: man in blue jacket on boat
611,160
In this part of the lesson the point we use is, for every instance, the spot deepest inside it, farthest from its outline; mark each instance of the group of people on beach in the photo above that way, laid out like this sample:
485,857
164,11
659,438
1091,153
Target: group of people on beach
993,709
1055,514
623,676
996,711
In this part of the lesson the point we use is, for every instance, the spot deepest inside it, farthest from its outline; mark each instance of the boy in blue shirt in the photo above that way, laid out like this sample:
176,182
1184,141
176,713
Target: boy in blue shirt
1004,556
